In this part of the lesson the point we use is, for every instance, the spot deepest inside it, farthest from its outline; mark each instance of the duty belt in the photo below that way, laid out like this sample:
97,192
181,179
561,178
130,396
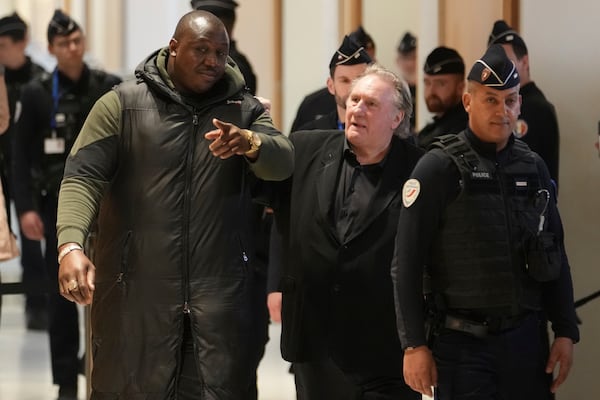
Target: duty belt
485,327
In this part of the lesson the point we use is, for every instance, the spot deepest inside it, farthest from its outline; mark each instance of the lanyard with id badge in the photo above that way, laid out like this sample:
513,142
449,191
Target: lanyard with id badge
55,144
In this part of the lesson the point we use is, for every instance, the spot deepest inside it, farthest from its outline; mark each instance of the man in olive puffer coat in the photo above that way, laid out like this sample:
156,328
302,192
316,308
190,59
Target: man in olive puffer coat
165,165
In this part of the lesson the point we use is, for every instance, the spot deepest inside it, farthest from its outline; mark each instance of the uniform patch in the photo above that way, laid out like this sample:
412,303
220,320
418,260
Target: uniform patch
481,175
410,192
521,129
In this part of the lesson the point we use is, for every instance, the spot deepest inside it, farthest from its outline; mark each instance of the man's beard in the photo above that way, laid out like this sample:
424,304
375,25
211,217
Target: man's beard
436,105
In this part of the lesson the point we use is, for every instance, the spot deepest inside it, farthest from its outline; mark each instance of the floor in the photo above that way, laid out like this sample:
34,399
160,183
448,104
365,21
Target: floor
25,361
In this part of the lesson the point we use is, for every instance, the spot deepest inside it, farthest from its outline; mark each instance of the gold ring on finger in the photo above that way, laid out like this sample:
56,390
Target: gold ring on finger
72,285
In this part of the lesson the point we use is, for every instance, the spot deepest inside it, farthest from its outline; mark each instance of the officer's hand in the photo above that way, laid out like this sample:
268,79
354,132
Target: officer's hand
561,353
228,140
76,275
32,225
274,305
420,372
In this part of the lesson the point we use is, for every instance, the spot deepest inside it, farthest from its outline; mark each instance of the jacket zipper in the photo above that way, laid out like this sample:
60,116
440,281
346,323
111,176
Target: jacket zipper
186,215
244,255
124,256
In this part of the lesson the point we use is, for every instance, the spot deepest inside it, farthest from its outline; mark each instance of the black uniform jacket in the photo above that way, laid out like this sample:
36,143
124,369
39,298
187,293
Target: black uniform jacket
453,121
328,121
542,134
314,106
420,222
337,296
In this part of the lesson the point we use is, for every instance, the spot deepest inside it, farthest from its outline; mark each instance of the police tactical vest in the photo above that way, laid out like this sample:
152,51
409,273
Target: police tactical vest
479,258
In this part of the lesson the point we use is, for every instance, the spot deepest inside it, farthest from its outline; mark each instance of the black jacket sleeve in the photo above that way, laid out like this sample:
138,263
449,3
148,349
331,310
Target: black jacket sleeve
33,117
419,222
558,294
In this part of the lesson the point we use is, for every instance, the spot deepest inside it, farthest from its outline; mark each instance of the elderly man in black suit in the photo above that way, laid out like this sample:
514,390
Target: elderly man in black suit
338,216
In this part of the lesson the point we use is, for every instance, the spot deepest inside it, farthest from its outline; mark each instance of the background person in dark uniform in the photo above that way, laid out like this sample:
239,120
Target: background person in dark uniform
537,125
406,61
52,112
337,215
20,70
444,84
225,11
321,103
479,211
347,64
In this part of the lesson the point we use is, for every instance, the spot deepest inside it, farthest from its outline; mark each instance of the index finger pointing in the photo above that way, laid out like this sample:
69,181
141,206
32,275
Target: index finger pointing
223,126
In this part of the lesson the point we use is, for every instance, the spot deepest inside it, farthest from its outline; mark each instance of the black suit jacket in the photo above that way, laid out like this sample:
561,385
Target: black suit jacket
337,296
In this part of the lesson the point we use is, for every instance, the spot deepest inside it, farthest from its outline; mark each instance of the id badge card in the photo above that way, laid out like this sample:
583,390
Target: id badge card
54,145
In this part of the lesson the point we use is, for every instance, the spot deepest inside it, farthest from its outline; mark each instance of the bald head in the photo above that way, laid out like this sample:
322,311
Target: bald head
196,20
198,52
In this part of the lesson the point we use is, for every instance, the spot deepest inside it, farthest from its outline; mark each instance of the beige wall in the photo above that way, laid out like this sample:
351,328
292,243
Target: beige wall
310,37
256,38
469,35
562,44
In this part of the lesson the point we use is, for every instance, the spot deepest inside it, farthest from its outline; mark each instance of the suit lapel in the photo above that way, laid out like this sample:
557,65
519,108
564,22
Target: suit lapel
326,179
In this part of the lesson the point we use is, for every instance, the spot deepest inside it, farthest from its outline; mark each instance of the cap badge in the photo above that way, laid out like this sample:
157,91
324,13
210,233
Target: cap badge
485,74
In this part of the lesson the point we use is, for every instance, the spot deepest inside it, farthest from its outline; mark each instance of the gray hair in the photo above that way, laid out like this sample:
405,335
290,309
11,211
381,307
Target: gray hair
402,97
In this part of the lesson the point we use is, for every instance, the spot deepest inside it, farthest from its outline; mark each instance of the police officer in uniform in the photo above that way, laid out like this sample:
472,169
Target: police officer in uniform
479,212
444,81
406,61
225,11
537,125
53,112
347,64
20,69
321,103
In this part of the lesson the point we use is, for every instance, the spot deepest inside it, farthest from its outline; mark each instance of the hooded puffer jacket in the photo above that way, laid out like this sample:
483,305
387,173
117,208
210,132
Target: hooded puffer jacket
173,236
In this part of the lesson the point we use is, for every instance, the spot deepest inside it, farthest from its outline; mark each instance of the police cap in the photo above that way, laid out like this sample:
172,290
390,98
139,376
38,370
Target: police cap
361,37
12,23
444,60
210,5
495,69
61,25
407,44
349,53
502,33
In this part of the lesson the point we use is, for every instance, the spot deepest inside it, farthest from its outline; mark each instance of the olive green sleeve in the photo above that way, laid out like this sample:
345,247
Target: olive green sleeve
89,167
275,161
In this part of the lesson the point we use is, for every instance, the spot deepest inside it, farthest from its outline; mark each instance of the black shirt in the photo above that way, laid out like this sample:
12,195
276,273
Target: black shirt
357,185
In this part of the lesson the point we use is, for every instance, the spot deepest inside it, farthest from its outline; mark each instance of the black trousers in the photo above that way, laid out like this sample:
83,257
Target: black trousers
63,316
506,366
324,380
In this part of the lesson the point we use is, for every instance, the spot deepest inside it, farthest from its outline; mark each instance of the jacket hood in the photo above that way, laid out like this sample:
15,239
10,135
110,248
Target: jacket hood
153,71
